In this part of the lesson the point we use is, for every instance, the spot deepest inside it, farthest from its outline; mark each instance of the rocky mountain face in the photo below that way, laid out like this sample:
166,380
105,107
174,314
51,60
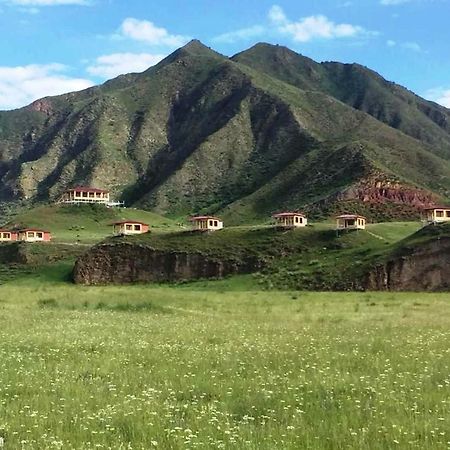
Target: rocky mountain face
128,263
424,268
265,130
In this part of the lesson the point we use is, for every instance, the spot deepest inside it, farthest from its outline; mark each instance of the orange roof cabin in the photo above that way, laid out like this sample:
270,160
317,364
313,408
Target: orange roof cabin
34,235
8,236
438,214
290,219
129,227
350,222
206,223
83,194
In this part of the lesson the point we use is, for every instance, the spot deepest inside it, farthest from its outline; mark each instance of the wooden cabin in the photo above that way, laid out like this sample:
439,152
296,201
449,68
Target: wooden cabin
438,214
290,219
129,227
8,236
34,235
83,194
206,223
350,222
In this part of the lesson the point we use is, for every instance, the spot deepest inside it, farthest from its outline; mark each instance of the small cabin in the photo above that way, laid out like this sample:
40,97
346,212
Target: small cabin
129,227
206,223
438,214
350,222
83,194
8,236
34,235
290,219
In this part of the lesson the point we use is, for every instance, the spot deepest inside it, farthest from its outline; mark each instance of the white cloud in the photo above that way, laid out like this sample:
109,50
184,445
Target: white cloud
439,95
414,46
22,85
394,2
47,2
110,66
312,27
240,35
148,32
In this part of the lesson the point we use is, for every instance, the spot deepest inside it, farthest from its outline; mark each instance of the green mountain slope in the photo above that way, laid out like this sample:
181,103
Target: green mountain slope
244,137
359,87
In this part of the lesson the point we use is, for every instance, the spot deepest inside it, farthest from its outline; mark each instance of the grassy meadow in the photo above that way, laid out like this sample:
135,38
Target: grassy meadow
192,366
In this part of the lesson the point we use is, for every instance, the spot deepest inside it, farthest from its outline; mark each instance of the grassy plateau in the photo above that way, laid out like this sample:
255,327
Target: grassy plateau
195,367
219,364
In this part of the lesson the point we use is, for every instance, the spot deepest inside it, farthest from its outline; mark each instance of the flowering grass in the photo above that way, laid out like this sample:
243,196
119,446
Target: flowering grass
179,367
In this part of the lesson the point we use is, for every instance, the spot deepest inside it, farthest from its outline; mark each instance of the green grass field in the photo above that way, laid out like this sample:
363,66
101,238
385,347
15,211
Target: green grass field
192,367
86,224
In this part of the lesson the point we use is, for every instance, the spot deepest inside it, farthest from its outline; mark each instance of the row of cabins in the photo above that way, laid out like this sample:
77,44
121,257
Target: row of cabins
436,214
284,220
28,235
212,223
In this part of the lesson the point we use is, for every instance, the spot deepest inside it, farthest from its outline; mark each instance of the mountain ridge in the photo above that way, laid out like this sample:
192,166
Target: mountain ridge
243,136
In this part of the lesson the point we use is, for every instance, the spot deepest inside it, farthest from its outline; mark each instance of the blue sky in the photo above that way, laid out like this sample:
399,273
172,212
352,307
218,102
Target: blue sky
54,46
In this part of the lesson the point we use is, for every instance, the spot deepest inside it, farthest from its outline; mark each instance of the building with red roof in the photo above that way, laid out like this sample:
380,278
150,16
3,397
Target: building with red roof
130,227
350,222
34,235
206,223
82,194
8,235
438,214
291,219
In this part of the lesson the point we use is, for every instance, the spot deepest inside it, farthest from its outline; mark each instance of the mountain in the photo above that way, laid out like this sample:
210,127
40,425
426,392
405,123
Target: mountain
245,136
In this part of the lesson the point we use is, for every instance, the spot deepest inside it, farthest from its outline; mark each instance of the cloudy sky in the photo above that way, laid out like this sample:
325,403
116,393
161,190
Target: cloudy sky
50,47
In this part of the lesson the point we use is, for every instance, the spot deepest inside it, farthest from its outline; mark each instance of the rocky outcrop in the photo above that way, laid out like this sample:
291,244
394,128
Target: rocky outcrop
120,263
378,189
425,267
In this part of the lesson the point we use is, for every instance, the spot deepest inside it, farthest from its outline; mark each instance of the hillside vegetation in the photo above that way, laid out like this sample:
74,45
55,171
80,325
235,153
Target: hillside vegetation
265,130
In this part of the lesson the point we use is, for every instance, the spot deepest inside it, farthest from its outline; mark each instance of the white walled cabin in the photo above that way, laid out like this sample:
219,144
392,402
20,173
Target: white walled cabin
350,222
206,223
290,220
438,214
82,194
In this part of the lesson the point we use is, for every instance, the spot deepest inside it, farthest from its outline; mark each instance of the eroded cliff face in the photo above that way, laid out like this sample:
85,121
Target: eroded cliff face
376,188
424,268
129,263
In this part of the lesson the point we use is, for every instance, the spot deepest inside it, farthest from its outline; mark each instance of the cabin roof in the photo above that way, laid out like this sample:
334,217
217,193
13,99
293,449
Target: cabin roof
432,208
33,229
288,214
4,230
350,216
87,189
124,222
195,218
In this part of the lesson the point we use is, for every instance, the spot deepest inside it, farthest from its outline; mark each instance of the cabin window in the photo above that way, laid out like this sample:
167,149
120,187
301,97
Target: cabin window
129,227
351,222
296,220
31,235
216,223
40,235
439,213
447,213
137,228
91,195
77,194
301,219
211,223
85,194
6,235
